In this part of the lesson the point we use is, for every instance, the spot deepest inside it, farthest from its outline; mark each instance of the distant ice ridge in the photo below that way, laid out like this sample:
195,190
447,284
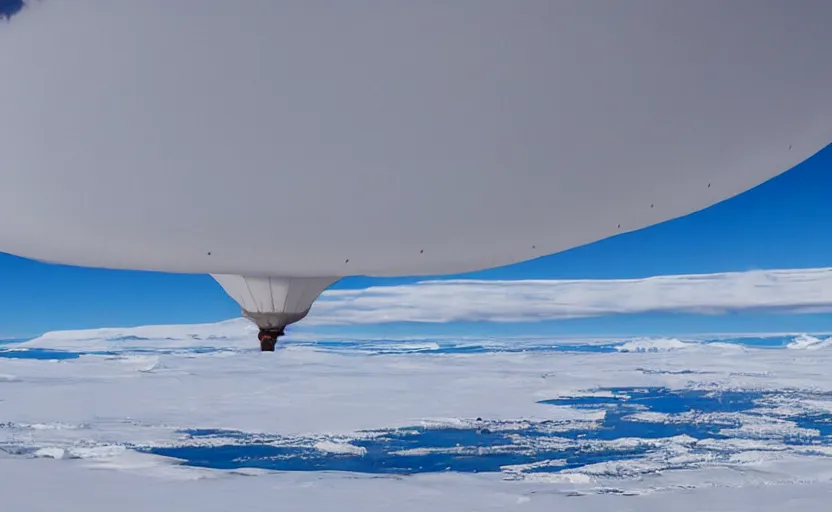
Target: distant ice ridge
654,345
806,342
234,333
240,334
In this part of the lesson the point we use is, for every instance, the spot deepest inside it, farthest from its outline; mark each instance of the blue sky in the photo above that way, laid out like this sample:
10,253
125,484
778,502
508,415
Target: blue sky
783,224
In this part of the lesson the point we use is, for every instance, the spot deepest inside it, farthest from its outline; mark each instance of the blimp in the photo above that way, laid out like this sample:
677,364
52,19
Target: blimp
280,145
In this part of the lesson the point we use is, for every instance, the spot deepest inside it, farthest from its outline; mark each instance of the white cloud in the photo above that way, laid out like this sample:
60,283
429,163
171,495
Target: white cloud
782,291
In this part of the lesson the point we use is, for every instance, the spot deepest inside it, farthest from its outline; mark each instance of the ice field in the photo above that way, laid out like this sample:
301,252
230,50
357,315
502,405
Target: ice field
194,418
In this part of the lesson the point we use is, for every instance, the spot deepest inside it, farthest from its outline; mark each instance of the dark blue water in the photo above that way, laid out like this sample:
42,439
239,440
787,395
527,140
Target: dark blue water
41,354
664,400
756,342
461,450
484,445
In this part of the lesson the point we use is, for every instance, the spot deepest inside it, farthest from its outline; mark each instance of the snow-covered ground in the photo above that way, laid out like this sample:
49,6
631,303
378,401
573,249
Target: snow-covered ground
194,418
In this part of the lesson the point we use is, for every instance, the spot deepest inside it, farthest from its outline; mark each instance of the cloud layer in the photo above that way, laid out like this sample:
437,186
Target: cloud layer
781,291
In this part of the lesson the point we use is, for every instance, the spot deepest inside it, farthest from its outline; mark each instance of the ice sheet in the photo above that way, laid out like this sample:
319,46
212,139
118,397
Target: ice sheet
167,423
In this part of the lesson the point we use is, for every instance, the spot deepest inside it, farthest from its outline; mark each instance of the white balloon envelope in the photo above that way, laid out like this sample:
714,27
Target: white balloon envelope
280,145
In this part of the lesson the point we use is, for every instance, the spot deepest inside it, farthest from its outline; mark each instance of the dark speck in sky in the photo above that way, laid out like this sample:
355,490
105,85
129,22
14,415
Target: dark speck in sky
9,8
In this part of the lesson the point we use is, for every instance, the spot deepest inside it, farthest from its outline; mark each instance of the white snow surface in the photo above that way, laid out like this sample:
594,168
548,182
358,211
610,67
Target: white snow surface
70,429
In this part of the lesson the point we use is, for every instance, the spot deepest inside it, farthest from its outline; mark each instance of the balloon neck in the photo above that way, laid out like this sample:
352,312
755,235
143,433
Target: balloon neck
273,302
268,338
272,326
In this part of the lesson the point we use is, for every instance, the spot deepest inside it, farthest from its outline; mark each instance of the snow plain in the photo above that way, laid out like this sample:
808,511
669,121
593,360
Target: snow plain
193,418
